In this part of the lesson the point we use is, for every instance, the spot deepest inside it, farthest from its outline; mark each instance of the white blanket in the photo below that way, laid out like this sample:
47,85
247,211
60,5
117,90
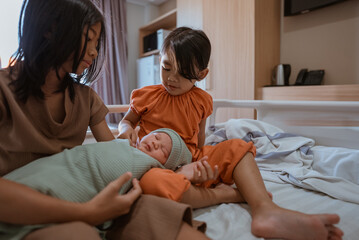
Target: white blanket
284,157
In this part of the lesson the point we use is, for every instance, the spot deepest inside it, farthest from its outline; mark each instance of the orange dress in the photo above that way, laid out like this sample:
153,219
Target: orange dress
158,109
183,113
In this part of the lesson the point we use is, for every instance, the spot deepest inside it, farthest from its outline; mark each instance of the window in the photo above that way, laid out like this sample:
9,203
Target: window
9,19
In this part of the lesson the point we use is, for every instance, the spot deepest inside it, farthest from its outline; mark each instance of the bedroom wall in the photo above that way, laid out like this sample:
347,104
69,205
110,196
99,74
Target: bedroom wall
323,39
139,15
327,38
167,6
135,20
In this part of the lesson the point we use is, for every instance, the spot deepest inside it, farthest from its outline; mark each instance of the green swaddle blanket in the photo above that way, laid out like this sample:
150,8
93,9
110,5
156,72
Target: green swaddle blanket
80,173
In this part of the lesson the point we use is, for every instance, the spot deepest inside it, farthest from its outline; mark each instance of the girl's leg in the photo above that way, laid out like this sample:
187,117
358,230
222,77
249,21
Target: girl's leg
199,197
272,221
168,184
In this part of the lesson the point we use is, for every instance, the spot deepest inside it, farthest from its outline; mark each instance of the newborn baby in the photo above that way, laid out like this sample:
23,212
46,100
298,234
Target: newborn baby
102,162
164,145
78,174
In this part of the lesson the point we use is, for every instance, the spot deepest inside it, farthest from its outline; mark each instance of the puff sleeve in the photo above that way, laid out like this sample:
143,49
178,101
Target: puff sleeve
143,99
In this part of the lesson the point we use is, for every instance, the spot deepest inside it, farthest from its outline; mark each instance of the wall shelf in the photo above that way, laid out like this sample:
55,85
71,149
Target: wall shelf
157,51
166,21
348,92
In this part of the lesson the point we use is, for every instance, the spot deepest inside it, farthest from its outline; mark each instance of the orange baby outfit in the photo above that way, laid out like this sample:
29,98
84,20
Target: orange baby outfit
226,155
182,113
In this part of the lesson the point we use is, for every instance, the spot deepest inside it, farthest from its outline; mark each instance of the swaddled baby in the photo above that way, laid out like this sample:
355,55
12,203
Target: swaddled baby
166,146
80,173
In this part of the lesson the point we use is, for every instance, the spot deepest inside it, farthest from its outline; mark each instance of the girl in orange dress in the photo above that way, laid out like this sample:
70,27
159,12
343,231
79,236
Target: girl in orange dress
178,104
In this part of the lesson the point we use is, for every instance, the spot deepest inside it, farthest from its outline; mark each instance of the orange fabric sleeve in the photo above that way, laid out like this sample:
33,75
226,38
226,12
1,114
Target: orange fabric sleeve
206,101
143,99
164,183
226,155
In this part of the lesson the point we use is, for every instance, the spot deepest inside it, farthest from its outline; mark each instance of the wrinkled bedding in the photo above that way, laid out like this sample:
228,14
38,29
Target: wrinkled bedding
285,157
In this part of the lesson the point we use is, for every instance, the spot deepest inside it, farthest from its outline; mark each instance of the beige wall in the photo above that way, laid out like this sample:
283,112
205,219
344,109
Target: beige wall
135,20
138,16
327,38
167,6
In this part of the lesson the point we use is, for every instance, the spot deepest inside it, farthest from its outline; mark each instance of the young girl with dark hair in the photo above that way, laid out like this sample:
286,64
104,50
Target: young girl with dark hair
178,104
46,107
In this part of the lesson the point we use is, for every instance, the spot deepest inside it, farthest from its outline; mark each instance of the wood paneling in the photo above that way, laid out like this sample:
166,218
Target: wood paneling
245,37
267,39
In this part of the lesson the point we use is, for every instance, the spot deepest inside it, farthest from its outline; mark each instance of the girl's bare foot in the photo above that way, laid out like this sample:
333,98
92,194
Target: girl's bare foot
276,222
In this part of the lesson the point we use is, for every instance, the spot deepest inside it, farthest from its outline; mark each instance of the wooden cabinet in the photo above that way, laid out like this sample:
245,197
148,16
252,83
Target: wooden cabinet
166,21
245,38
312,93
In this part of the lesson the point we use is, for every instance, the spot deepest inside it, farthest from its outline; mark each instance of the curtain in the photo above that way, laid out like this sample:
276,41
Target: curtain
112,85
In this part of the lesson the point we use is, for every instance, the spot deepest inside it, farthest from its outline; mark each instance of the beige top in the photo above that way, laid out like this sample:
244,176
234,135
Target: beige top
28,132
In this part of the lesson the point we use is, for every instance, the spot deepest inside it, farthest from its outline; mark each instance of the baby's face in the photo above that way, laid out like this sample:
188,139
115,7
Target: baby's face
158,145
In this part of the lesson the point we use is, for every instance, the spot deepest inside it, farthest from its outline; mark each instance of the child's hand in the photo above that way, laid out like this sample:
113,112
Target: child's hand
108,204
199,172
127,132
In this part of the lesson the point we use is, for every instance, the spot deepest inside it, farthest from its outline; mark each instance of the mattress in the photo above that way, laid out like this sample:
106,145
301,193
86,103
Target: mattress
233,221
301,175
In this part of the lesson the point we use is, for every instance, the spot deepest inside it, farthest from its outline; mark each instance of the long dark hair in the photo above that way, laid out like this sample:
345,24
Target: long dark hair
189,49
49,32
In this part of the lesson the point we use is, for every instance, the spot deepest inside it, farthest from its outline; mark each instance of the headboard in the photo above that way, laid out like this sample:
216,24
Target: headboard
329,123
118,108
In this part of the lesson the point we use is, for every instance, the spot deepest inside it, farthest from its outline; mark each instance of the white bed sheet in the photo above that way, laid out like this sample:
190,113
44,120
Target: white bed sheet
331,172
233,221
286,157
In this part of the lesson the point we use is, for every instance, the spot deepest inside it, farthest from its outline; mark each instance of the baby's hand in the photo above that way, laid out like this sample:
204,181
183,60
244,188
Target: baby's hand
199,172
129,133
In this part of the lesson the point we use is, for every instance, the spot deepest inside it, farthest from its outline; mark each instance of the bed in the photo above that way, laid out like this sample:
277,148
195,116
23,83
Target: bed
308,155
329,130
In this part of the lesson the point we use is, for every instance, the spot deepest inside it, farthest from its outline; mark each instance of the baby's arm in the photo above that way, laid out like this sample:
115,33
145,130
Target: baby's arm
127,127
202,133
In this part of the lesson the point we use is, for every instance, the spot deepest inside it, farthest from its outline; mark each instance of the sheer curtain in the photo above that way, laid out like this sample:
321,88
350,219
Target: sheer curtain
112,85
